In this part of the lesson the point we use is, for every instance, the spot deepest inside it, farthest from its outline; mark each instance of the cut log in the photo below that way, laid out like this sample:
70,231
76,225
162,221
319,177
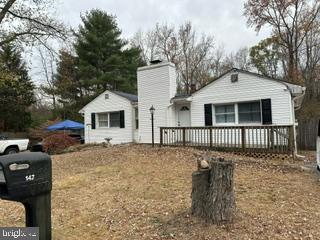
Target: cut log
212,192
200,188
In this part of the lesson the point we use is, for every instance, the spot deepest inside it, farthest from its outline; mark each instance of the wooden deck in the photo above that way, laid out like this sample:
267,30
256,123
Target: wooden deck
271,139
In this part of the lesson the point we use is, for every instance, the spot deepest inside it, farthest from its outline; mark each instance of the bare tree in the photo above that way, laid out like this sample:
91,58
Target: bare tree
242,59
309,61
48,70
29,21
218,61
147,42
267,57
291,20
195,56
167,43
191,55
239,59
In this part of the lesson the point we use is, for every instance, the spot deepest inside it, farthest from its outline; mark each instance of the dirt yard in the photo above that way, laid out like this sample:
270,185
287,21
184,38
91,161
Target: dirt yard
137,192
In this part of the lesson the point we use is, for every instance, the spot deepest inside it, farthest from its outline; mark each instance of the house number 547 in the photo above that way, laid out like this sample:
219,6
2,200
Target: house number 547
30,177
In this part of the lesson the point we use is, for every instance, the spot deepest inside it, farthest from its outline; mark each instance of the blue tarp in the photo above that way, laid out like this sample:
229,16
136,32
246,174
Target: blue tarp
66,125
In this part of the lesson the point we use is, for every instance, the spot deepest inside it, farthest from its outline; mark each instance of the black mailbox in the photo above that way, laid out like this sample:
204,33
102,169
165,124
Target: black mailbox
27,178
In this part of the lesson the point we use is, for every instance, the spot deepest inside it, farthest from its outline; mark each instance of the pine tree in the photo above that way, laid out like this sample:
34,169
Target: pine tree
16,90
105,61
68,87
67,83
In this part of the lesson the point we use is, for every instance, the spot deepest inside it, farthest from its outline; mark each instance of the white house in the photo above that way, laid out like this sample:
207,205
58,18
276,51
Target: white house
111,116
237,98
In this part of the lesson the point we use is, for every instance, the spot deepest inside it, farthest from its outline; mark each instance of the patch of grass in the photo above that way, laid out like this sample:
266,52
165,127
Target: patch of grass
140,192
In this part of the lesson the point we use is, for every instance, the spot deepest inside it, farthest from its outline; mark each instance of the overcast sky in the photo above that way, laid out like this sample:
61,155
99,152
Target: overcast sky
222,19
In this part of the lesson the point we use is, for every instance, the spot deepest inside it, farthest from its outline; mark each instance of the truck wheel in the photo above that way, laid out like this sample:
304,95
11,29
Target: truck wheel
11,150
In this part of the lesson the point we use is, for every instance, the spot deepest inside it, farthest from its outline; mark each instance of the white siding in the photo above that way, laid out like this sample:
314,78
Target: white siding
248,88
100,105
156,86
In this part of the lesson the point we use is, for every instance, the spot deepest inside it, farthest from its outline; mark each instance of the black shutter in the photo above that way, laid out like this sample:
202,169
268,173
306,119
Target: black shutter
93,121
208,114
122,119
266,111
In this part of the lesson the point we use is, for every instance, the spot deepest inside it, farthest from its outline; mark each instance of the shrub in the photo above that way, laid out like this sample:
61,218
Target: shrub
57,142
38,133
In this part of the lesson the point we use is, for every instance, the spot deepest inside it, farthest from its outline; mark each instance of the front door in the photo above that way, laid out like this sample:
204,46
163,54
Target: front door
183,116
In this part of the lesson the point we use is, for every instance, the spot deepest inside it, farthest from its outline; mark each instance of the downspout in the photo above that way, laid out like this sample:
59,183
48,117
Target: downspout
170,120
294,124
295,152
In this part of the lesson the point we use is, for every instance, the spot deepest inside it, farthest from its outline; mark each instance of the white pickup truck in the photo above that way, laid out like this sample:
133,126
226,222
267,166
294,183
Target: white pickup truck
10,146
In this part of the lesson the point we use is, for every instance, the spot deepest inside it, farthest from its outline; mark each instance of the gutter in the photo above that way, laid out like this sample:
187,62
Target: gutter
299,98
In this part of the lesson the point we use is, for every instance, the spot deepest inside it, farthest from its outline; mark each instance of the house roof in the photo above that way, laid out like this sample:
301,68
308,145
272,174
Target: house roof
292,87
181,96
129,96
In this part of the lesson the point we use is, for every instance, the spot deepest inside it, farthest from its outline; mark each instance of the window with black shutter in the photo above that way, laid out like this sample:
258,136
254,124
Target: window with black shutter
249,112
115,119
109,120
225,113
208,114
266,111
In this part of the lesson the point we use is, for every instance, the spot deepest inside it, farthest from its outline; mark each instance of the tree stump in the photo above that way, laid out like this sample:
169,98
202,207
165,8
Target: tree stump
212,192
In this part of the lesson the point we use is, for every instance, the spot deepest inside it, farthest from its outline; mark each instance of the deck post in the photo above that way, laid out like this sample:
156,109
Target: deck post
184,136
243,138
211,144
291,140
272,138
161,137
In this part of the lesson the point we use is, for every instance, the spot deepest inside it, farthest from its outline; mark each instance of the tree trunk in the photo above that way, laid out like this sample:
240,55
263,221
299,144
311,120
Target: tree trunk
212,192
200,188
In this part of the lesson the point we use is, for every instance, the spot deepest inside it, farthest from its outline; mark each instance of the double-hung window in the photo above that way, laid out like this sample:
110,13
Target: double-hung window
225,113
249,112
109,120
103,119
114,119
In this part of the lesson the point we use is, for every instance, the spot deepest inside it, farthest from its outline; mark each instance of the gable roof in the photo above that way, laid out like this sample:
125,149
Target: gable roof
130,97
289,85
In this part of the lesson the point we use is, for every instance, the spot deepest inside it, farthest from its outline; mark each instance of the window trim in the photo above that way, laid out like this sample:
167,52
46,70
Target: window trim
236,113
109,123
109,113
260,108
98,120
231,113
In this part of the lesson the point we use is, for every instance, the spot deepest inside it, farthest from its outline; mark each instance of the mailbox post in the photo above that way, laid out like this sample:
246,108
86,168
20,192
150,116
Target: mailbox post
27,178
